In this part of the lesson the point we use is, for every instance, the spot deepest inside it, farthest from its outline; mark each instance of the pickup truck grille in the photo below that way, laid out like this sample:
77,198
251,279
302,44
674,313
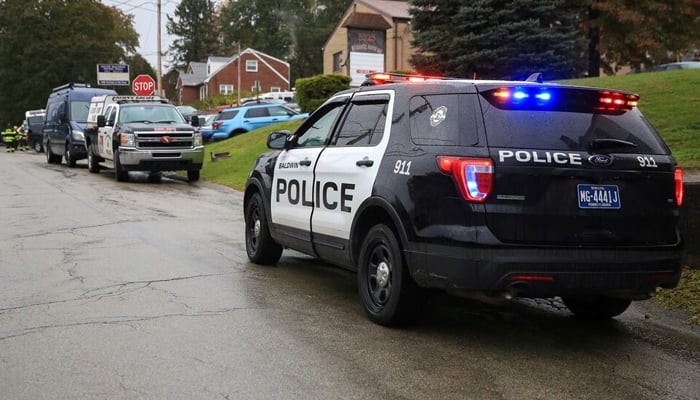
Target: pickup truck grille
164,140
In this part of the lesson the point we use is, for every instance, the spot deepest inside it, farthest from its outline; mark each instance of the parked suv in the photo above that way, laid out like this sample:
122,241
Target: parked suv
482,188
237,120
35,125
66,115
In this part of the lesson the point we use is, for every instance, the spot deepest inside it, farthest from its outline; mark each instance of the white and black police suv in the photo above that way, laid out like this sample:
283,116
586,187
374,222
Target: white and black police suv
495,188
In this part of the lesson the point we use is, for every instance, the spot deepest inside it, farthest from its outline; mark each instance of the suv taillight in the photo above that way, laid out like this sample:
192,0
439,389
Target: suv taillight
678,177
217,124
474,176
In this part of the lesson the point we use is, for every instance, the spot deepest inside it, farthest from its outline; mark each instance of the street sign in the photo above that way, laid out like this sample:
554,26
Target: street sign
143,85
113,74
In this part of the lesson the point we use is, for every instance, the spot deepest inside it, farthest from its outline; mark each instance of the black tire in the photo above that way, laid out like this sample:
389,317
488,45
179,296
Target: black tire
93,164
193,175
596,307
119,172
38,146
388,293
70,160
50,157
259,245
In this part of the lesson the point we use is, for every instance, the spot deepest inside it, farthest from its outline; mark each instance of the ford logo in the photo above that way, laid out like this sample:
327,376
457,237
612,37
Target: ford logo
601,160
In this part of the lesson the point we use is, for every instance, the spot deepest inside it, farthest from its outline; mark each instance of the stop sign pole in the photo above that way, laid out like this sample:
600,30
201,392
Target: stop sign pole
143,85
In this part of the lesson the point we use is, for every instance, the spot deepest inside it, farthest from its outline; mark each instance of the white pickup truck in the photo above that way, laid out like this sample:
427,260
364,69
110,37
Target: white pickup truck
141,133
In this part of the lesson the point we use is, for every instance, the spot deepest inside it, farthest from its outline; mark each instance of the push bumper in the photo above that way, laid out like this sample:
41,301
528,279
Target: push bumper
132,159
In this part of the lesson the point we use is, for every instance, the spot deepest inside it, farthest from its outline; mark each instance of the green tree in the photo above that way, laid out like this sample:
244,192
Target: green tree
194,26
639,33
496,38
291,30
44,44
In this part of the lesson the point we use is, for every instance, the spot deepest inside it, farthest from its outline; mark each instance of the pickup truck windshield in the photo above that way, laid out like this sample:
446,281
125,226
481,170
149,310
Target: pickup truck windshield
149,114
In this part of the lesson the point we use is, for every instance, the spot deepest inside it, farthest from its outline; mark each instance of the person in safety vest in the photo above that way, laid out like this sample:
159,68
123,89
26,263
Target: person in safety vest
21,137
8,137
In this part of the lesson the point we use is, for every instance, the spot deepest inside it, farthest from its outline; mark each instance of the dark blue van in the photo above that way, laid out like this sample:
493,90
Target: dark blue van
66,115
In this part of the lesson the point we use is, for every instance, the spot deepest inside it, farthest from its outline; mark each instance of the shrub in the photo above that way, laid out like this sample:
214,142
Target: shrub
313,91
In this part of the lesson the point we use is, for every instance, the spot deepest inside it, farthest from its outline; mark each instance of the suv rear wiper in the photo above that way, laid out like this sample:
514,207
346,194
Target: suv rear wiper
603,143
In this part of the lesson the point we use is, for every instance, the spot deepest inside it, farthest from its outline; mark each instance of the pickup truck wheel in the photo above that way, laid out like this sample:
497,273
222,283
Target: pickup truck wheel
119,173
70,161
596,307
50,157
193,175
388,293
259,245
93,165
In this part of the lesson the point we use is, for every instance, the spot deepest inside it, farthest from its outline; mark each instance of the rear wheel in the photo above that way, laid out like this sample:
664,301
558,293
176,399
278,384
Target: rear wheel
38,146
596,307
119,172
259,245
388,293
193,175
70,160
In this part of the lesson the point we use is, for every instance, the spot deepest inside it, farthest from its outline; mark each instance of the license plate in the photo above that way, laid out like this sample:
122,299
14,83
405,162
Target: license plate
598,196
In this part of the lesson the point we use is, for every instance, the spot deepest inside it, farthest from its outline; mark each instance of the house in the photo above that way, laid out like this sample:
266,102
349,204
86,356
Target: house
252,70
372,36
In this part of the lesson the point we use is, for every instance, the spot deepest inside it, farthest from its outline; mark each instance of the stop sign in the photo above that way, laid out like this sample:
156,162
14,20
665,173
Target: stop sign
143,85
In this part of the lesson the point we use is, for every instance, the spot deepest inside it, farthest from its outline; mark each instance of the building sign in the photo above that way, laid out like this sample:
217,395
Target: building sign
113,75
366,49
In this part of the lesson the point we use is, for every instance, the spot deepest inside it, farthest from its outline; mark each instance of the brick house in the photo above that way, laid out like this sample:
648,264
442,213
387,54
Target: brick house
220,76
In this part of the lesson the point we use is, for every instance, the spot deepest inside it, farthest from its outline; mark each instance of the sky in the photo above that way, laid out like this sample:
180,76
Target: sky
146,24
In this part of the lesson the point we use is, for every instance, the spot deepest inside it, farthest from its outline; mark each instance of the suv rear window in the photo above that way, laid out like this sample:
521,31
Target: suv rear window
226,115
556,130
444,119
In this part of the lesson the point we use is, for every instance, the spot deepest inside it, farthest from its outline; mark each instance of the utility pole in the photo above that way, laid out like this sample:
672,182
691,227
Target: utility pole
160,64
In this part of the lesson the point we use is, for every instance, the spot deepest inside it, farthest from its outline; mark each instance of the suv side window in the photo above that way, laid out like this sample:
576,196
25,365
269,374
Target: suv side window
278,111
444,119
364,123
316,131
257,112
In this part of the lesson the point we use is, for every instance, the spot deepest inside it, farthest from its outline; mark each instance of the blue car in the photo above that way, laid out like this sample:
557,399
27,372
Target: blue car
237,120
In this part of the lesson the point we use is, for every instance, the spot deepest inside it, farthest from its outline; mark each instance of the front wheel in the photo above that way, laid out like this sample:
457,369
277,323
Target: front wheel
388,293
120,173
596,307
93,164
70,160
193,175
50,157
259,245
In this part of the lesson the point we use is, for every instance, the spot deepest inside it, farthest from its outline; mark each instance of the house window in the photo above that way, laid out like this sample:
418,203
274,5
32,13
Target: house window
337,61
225,89
251,65
275,89
256,87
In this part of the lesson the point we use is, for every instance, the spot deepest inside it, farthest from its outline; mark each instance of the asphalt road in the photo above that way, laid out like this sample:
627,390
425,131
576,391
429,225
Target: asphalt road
143,291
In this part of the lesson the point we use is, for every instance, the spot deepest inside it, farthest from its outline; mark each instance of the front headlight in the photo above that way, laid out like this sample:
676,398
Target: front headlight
77,135
127,139
198,141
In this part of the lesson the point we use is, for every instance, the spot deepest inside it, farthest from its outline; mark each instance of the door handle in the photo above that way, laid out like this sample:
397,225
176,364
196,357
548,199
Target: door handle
306,162
365,162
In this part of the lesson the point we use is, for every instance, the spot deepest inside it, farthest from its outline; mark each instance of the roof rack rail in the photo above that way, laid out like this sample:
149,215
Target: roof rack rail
71,86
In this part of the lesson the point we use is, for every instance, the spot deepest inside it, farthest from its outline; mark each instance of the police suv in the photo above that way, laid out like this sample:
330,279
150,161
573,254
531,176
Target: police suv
495,188
141,133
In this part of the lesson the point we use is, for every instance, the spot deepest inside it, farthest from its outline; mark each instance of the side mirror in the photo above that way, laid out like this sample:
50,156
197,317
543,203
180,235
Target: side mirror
101,122
278,140
194,120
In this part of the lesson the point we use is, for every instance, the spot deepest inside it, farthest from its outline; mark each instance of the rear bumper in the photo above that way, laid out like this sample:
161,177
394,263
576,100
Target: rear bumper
630,273
132,159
